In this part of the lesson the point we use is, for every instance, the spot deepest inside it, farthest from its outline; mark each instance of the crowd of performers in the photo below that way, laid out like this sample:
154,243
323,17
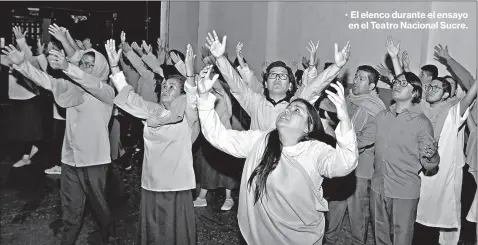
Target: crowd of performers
403,139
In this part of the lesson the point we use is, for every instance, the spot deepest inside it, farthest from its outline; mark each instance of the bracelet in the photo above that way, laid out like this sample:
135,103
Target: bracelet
113,66
189,76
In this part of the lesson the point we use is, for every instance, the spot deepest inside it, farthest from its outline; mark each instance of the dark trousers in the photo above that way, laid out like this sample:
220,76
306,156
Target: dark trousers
393,219
358,206
79,184
57,141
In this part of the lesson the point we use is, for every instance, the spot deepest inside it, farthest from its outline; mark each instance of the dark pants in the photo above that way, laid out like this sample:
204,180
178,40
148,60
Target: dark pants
393,219
79,184
57,141
358,206
167,218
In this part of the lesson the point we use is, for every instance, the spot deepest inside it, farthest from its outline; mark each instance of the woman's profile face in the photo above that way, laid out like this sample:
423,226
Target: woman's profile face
295,117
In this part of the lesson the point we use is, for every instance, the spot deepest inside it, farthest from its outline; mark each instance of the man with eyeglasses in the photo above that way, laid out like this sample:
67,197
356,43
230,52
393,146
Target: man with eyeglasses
442,193
279,85
404,146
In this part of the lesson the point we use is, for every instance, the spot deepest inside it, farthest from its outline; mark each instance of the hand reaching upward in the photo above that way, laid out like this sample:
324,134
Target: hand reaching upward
341,57
113,56
392,48
205,83
14,55
217,48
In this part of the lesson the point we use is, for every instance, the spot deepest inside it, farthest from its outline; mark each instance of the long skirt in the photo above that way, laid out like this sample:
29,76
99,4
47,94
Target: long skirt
216,169
25,120
167,218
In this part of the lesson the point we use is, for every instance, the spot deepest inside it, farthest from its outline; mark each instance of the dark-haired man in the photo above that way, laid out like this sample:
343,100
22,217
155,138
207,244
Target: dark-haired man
364,104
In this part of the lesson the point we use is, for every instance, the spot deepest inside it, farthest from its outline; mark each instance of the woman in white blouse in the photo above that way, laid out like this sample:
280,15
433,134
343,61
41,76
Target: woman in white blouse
167,212
280,200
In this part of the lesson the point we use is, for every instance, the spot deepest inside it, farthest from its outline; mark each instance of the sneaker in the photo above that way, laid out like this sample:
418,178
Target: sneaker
22,162
54,170
199,202
227,205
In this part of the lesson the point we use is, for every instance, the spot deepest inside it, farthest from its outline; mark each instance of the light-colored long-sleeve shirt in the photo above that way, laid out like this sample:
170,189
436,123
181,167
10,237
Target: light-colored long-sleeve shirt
167,162
86,141
251,80
18,86
291,212
399,146
263,112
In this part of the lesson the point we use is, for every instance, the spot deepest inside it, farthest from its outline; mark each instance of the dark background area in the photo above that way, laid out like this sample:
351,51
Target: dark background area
131,17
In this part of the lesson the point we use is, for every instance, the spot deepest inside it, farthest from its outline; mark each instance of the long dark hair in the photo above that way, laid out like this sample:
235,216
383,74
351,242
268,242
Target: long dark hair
273,150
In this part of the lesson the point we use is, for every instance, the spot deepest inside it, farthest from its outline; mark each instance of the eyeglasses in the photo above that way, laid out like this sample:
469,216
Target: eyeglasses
432,88
85,65
401,83
281,76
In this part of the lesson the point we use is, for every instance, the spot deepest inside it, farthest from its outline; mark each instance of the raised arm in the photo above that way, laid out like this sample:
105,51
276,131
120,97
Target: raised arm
99,89
468,99
344,158
311,91
21,41
235,143
464,76
66,94
393,50
60,34
239,89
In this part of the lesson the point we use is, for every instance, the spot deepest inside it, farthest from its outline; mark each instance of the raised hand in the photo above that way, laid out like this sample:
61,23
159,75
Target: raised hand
126,48
392,48
339,101
137,48
80,44
123,37
204,83
313,51
19,34
14,55
40,47
217,48
441,54
148,49
113,56
58,59
189,61
205,52
58,32
341,57
239,50
174,57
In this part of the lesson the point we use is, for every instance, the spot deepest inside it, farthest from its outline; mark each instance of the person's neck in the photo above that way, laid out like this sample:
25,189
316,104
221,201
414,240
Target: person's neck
277,97
166,105
400,106
288,138
434,104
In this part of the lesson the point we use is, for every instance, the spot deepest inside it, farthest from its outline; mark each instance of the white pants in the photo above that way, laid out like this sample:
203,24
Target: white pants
452,236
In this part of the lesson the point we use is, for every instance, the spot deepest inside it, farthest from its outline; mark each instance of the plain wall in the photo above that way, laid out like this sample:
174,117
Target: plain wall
281,31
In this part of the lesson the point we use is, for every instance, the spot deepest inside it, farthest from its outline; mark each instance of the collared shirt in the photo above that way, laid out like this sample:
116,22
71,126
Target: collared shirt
400,141
86,141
